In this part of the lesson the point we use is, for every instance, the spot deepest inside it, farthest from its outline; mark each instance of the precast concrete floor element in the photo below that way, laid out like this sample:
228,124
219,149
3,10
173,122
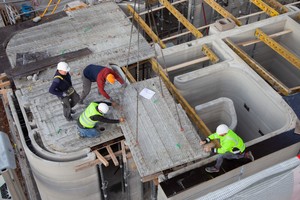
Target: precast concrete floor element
153,132
102,28
57,135
106,31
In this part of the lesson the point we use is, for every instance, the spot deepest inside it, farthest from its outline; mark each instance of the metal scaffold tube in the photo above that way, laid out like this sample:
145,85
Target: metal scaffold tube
103,182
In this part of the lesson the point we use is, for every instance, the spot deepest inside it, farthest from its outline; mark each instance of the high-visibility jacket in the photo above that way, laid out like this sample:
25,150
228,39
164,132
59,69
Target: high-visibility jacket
85,119
229,142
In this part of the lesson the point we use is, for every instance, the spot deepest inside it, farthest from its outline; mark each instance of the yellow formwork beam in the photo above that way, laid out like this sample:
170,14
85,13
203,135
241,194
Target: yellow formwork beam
146,28
185,105
209,53
222,11
182,19
292,58
278,85
277,6
265,7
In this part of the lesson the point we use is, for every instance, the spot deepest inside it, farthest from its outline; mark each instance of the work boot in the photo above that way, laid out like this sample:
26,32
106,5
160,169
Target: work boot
69,118
212,169
249,155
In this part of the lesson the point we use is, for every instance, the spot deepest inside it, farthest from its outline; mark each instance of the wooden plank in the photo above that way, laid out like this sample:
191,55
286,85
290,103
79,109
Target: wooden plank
247,43
95,162
37,66
3,76
101,158
3,92
192,62
151,177
4,84
112,155
129,75
123,151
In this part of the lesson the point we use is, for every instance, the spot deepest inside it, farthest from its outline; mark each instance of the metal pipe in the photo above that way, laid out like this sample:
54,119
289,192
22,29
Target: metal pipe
126,181
103,182
153,191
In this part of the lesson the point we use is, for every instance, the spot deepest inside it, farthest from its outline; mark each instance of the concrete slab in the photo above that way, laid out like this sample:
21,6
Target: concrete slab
153,132
103,28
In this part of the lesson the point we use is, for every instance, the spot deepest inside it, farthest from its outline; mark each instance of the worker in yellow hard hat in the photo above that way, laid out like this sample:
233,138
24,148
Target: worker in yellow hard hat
101,75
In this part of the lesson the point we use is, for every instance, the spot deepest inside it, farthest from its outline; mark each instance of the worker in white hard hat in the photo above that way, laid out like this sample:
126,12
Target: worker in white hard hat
232,147
93,115
62,87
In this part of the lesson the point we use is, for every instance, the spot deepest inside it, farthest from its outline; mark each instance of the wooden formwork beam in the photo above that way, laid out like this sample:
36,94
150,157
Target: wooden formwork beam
104,159
185,105
112,155
278,85
145,27
101,158
222,11
277,6
128,75
250,42
208,52
265,7
289,56
182,65
182,19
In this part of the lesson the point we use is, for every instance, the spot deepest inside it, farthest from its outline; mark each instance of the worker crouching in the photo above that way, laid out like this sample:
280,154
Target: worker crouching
232,147
93,114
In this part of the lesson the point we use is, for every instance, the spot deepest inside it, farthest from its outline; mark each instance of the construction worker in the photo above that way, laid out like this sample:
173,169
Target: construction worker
93,114
232,147
63,89
101,75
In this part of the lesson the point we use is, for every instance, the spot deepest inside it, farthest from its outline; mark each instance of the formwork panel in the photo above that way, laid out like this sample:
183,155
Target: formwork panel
269,59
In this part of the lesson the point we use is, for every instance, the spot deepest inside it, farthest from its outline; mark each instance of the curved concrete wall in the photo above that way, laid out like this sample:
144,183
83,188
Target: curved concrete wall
58,180
260,110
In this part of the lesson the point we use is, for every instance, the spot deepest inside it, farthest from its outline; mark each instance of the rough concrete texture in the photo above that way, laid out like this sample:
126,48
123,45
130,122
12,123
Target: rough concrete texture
102,28
158,143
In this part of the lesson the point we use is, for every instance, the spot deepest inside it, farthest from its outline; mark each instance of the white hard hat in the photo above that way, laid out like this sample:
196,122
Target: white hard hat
103,108
222,129
63,66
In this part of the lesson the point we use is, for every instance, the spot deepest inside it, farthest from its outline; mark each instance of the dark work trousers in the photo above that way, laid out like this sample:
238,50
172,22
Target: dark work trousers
228,156
69,102
86,87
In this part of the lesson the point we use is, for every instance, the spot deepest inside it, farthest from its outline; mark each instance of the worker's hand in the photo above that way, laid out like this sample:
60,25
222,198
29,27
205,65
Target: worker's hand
114,104
122,119
202,142
207,149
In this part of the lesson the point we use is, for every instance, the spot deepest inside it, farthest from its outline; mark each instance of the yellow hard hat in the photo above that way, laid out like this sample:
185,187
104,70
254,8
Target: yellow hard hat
111,78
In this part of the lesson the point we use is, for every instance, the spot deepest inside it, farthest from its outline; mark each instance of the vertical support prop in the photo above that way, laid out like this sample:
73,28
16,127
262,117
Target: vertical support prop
103,183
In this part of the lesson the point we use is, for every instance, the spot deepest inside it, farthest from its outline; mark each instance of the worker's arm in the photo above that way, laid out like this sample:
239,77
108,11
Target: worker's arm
54,88
101,84
103,119
209,138
227,146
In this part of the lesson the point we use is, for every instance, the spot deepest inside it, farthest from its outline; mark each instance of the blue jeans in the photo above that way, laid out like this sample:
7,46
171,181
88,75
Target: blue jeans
88,132
228,156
